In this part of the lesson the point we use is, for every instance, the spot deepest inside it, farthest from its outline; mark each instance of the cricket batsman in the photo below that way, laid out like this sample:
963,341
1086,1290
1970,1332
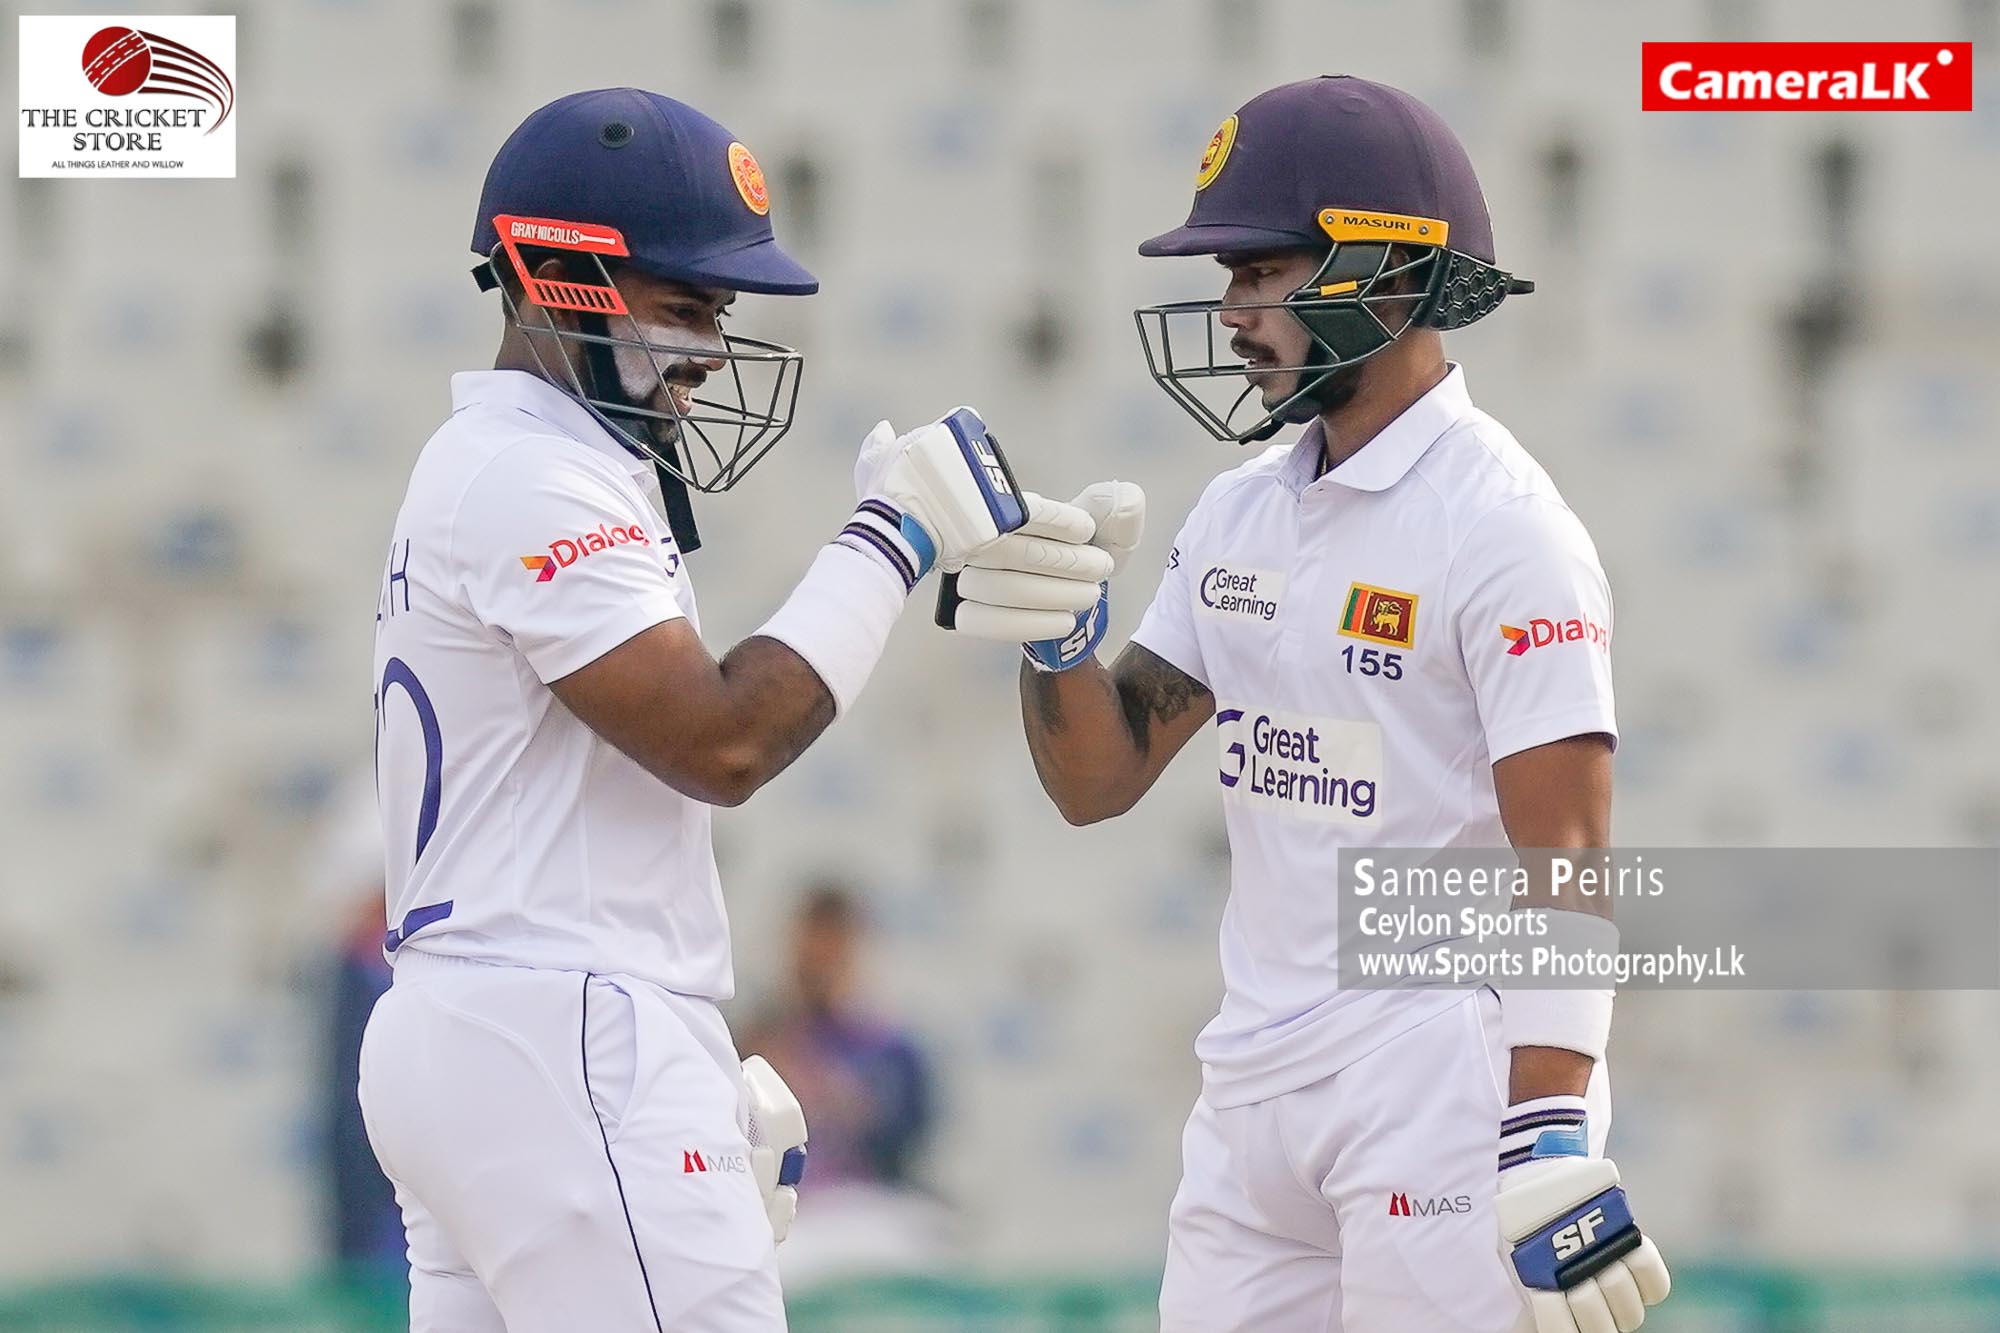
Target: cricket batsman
549,1082
1348,607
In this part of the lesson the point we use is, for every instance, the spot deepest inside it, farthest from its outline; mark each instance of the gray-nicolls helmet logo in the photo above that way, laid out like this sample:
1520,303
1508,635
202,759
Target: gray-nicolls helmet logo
616,178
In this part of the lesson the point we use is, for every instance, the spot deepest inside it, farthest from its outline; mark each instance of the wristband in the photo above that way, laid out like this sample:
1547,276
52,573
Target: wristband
1568,1020
878,528
1543,1127
839,617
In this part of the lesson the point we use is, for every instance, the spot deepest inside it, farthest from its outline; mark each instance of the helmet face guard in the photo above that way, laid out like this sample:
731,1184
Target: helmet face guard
721,433
1361,299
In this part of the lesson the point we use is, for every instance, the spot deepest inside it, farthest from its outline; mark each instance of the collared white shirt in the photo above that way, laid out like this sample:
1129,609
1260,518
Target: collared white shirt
529,544
1375,638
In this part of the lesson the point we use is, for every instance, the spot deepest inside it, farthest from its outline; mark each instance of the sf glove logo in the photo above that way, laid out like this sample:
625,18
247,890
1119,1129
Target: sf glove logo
1573,1239
996,475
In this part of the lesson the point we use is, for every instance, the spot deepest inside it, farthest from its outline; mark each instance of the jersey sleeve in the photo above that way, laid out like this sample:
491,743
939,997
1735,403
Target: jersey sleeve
557,555
1167,628
1532,612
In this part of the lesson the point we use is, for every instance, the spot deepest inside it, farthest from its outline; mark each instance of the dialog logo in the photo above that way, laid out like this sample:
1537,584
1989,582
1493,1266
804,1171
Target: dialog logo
1542,632
150,95
566,551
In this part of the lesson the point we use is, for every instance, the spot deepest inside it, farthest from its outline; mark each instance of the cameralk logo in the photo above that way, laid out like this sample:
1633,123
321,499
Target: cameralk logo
1806,76
153,95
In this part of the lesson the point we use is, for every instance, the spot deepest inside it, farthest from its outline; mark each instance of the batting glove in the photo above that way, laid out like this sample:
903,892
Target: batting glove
777,1143
935,495
1046,586
1565,1226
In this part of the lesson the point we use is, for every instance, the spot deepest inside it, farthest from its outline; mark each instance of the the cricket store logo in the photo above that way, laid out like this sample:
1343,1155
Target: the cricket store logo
1402,1205
1540,633
694,1162
1232,591
1313,767
566,551
151,95
1806,76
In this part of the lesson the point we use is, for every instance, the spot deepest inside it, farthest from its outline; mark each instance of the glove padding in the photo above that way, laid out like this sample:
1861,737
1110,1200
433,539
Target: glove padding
1570,1240
947,480
1118,508
1043,585
1031,583
777,1143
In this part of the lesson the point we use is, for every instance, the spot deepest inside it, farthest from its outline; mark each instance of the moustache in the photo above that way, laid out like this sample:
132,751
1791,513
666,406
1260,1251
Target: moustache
1250,351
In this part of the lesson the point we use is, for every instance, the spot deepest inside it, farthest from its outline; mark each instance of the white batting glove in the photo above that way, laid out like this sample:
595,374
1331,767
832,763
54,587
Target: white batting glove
1033,582
1041,588
1565,1228
1119,510
934,495
777,1143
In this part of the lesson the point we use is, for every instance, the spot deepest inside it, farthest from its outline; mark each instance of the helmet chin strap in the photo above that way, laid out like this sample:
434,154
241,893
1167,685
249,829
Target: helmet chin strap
1303,405
603,372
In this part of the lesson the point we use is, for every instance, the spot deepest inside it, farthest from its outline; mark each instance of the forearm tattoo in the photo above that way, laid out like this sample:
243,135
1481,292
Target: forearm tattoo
1042,693
1151,689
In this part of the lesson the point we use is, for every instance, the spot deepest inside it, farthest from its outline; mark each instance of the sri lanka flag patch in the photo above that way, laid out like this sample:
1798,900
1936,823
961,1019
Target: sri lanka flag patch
1380,615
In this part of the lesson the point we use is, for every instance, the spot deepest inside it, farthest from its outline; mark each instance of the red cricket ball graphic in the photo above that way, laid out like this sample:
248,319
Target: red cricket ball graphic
119,61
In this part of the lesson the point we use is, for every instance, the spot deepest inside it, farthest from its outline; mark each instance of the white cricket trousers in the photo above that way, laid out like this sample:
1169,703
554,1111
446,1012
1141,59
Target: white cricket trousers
1360,1204
569,1152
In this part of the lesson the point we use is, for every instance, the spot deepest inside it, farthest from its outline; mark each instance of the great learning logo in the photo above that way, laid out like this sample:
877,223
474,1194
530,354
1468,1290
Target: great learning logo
108,95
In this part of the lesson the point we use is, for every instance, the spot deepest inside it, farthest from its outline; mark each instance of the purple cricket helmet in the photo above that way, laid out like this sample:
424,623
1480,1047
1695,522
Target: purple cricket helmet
1362,172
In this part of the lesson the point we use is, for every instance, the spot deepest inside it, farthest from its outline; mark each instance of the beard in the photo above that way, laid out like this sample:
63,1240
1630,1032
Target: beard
1331,390
1337,390
1275,384
667,390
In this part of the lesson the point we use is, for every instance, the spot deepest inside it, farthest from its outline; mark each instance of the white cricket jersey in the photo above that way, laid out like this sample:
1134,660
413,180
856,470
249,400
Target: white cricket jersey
1375,639
531,543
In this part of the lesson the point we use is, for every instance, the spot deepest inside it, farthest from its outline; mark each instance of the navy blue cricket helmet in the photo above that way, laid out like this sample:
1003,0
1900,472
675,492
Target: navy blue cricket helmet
1365,173
621,177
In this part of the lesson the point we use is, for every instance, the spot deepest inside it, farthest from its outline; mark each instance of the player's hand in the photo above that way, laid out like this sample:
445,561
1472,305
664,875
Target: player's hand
777,1143
946,485
1118,509
1566,1229
1032,583
1041,587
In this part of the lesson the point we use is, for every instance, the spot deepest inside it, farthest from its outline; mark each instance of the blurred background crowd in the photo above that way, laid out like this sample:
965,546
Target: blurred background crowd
1760,364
